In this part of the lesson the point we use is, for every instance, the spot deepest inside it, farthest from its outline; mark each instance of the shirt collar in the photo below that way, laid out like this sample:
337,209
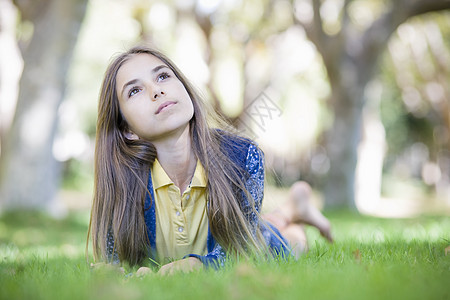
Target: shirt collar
199,178
160,177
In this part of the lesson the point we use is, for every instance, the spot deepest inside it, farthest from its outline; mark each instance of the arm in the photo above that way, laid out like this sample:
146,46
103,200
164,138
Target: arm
216,258
254,164
255,185
112,258
111,253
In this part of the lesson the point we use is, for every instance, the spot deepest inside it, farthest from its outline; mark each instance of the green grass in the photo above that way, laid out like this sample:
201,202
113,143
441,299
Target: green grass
372,258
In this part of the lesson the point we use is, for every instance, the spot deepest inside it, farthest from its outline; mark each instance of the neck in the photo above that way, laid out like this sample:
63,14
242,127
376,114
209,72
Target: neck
177,158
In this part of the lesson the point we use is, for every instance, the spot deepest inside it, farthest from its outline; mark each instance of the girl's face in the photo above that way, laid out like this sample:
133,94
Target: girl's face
152,99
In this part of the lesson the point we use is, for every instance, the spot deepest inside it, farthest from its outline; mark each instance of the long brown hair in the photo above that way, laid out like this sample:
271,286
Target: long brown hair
122,168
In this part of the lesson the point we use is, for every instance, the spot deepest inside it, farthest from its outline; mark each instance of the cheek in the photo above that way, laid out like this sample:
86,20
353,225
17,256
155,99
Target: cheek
125,114
189,103
190,109
132,116
138,119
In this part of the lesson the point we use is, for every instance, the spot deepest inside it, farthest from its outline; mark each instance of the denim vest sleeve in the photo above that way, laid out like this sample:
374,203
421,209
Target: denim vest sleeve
254,164
255,185
150,222
111,254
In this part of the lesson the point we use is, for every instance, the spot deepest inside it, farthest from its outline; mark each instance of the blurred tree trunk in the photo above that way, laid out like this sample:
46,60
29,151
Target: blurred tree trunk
350,58
10,65
29,173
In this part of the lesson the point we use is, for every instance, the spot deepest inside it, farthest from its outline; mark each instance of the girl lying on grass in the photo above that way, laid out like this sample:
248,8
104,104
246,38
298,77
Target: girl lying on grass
171,189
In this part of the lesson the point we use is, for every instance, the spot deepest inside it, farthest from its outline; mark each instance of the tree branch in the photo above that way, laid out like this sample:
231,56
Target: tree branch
377,35
345,15
319,34
419,7
30,10
313,29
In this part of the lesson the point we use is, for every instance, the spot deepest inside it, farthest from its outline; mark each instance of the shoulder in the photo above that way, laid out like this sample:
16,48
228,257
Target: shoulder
239,149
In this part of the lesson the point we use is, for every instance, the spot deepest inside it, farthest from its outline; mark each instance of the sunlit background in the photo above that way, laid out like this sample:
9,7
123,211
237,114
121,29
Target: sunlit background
245,53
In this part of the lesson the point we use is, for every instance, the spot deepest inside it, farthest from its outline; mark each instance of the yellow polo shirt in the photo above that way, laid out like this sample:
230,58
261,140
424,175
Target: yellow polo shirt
181,219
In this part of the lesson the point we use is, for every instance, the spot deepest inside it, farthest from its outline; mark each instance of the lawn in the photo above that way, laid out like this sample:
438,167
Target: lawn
42,258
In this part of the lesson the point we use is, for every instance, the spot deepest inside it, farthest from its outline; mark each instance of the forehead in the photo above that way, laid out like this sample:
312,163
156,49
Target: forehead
136,66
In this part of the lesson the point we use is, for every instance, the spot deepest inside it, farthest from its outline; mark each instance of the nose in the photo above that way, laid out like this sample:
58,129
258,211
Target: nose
157,94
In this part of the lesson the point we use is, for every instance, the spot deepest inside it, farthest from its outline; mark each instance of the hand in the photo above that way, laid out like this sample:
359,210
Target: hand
184,265
101,266
143,271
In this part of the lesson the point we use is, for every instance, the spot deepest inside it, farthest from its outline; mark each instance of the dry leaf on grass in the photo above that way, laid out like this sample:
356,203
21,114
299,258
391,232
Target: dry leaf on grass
357,255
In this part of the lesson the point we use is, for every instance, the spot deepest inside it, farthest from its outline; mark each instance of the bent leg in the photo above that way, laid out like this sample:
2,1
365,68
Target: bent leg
298,209
296,212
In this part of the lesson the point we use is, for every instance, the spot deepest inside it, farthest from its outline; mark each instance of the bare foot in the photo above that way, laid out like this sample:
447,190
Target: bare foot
301,210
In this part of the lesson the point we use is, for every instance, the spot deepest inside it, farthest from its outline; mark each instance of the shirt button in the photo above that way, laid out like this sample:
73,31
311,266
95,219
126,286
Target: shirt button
180,229
177,213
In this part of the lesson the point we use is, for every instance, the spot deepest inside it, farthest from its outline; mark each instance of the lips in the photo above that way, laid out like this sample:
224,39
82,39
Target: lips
164,105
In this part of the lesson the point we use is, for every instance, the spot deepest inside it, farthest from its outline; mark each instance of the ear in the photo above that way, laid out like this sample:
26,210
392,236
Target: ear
131,135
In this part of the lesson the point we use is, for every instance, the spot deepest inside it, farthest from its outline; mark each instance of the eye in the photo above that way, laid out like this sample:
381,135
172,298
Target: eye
162,76
133,91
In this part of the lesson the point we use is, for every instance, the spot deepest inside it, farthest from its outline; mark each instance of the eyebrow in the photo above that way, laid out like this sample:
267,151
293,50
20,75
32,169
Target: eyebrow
133,81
